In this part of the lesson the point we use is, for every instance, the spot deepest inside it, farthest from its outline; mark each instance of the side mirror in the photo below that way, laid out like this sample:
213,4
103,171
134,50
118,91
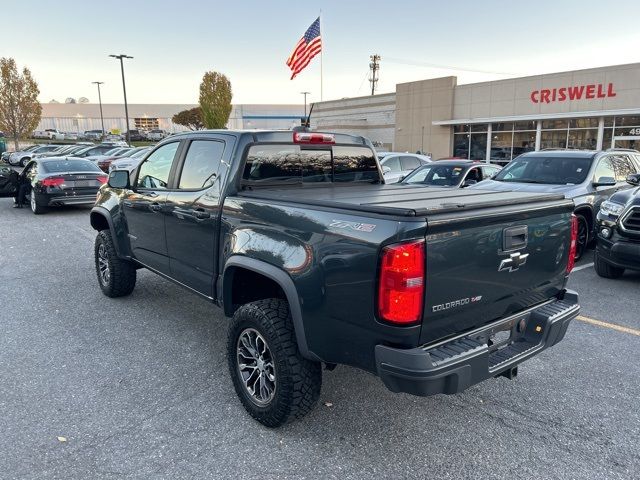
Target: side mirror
385,170
119,179
468,183
634,179
605,182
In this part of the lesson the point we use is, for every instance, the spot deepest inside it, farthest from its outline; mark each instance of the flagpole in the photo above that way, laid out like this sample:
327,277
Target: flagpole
321,53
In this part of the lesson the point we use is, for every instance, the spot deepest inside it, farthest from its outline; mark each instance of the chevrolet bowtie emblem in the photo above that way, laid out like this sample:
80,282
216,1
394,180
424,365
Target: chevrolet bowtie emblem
514,262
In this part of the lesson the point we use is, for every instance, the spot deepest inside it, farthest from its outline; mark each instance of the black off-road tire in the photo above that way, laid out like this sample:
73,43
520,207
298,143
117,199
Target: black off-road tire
298,380
604,269
121,278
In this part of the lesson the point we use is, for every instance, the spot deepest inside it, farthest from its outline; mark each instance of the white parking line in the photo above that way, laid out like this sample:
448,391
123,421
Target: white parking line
582,267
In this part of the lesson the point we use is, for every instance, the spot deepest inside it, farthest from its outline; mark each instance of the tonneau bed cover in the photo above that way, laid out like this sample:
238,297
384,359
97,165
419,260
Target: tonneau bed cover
397,199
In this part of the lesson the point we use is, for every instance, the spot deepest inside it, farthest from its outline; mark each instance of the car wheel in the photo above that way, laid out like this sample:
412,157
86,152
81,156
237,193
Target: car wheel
33,202
274,381
116,277
583,236
604,269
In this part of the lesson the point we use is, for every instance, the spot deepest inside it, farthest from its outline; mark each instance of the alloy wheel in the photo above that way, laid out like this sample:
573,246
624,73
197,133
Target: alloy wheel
256,367
103,265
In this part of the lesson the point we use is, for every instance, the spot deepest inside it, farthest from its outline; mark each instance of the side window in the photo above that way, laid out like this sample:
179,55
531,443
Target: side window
474,174
201,164
409,163
604,169
393,163
154,172
488,172
623,167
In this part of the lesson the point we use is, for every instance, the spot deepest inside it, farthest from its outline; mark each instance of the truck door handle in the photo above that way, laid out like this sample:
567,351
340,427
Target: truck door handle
155,207
201,214
515,238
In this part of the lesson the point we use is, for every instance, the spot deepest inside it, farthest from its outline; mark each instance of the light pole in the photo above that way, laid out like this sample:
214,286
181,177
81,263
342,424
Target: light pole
100,101
305,104
124,89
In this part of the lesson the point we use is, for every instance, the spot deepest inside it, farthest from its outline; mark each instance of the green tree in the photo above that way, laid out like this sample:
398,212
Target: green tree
215,100
192,118
20,110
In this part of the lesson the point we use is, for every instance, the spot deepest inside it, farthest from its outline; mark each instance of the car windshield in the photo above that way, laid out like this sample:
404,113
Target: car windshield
546,169
69,165
436,175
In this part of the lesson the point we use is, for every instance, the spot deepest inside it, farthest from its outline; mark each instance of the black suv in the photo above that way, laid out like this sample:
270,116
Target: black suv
619,232
587,177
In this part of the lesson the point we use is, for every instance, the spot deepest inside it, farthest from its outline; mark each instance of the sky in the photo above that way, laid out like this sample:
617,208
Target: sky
66,44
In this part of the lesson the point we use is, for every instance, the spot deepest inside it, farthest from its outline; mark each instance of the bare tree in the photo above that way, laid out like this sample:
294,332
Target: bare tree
20,110
215,100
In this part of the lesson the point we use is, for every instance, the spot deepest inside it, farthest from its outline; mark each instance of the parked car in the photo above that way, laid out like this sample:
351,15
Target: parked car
157,135
22,157
396,166
131,161
450,174
618,225
57,181
70,135
49,134
318,261
95,150
103,161
93,134
585,176
136,136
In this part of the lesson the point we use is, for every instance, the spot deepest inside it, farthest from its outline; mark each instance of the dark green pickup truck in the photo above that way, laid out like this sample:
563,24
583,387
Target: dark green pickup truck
319,263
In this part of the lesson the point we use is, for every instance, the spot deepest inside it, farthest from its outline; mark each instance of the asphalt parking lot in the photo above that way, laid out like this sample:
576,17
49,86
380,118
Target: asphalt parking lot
137,387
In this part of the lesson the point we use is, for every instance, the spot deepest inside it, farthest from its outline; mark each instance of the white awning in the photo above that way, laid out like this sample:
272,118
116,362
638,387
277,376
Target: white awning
539,116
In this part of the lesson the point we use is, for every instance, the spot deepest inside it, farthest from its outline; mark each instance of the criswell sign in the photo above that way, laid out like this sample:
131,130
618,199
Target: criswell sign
577,92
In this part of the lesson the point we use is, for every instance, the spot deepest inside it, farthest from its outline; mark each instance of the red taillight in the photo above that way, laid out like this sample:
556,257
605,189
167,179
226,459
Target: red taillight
52,182
102,179
401,287
315,138
573,245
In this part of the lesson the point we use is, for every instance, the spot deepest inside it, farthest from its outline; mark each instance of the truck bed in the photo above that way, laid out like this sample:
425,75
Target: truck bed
394,199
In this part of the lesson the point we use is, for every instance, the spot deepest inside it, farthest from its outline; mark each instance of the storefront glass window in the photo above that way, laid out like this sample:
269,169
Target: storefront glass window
553,139
501,146
608,121
530,125
461,128
554,124
629,121
461,145
523,142
480,127
583,138
502,127
478,149
583,123
606,139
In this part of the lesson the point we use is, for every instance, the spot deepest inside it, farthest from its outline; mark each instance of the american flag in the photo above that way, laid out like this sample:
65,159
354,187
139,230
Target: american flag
308,47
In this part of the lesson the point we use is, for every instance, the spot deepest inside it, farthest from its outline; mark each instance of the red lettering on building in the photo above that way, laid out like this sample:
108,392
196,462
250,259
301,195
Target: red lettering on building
574,92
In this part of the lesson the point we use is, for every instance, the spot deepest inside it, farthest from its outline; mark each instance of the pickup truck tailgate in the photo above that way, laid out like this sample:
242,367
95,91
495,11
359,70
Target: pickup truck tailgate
486,265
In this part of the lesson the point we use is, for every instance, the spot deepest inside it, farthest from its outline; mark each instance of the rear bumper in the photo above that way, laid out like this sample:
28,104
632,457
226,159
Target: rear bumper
70,200
456,365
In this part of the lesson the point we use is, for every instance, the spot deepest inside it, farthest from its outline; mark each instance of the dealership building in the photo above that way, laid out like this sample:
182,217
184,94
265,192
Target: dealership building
80,117
495,121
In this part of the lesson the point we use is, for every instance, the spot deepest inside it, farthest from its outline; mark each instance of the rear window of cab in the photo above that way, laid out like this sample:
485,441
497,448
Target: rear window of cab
290,163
